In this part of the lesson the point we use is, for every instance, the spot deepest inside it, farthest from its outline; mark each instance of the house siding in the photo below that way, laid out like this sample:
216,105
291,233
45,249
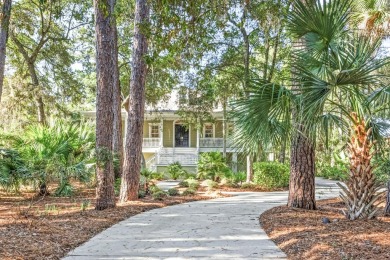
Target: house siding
148,156
193,136
218,129
168,135
146,129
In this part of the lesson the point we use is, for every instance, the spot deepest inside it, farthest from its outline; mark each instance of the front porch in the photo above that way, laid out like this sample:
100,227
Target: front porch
203,144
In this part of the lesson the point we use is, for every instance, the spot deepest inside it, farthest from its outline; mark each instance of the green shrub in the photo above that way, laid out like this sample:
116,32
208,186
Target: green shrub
117,186
175,171
212,166
159,195
271,174
173,192
188,175
189,192
247,185
141,194
338,172
211,185
158,176
56,152
228,183
64,190
147,174
13,170
238,177
183,184
382,170
193,184
154,189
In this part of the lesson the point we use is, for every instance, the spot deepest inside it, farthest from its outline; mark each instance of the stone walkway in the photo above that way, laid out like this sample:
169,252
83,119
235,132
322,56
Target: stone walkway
225,228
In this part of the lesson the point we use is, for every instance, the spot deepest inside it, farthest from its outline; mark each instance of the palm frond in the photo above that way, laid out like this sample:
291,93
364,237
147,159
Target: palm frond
263,117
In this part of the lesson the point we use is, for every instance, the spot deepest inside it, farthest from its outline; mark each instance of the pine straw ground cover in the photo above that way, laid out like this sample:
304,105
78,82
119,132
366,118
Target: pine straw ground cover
301,234
49,227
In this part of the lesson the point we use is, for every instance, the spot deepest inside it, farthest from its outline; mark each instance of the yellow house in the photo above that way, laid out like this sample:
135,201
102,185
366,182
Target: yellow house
167,139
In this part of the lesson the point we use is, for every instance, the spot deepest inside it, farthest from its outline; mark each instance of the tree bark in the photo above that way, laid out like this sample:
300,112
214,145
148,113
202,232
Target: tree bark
34,76
135,118
387,207
39,100
5,16
267,48
302,172
105,68
302,163
224,127
249,168
117,145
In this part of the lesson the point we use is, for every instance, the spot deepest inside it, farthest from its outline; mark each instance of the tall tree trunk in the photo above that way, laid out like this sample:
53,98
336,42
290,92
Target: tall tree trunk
387,207
275,53
249,168
106,83
267,47
302,172
302,162
224,127
5,16
135,118
276,45
38,99
117,145
246,58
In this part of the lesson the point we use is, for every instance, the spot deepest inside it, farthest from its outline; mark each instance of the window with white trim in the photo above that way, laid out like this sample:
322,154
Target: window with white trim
208,131
154,130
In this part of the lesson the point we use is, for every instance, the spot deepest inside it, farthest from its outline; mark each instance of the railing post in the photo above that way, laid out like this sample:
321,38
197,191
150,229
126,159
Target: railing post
197,136
234,160
162,132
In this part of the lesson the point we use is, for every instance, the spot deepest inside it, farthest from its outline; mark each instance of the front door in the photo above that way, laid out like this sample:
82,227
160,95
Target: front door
181,136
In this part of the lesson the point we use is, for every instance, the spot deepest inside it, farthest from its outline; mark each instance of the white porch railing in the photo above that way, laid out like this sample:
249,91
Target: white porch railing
151,142
213,142
151,163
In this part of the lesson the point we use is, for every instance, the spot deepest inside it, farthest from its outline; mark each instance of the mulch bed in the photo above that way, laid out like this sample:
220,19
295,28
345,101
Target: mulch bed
49,227
301,234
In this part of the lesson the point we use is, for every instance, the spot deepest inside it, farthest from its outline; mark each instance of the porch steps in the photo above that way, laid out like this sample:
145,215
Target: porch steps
185,156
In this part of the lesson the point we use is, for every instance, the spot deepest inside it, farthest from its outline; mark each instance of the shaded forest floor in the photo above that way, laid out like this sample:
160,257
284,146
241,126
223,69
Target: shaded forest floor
49,227
301,234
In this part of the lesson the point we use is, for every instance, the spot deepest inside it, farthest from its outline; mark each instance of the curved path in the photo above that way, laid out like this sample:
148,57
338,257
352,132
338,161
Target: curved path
224,228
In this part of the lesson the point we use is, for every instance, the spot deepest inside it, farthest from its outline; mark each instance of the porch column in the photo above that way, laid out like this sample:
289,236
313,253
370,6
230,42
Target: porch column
161,132
234,160
197,136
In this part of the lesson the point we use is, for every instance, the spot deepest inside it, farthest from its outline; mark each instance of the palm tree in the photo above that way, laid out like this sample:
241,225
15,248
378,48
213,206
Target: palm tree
339,79
372,16
333,66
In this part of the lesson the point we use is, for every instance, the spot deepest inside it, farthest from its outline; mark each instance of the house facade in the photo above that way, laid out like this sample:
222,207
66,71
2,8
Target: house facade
168,139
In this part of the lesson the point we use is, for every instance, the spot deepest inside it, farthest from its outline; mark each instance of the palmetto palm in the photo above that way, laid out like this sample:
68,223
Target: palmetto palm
333,71
372,16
